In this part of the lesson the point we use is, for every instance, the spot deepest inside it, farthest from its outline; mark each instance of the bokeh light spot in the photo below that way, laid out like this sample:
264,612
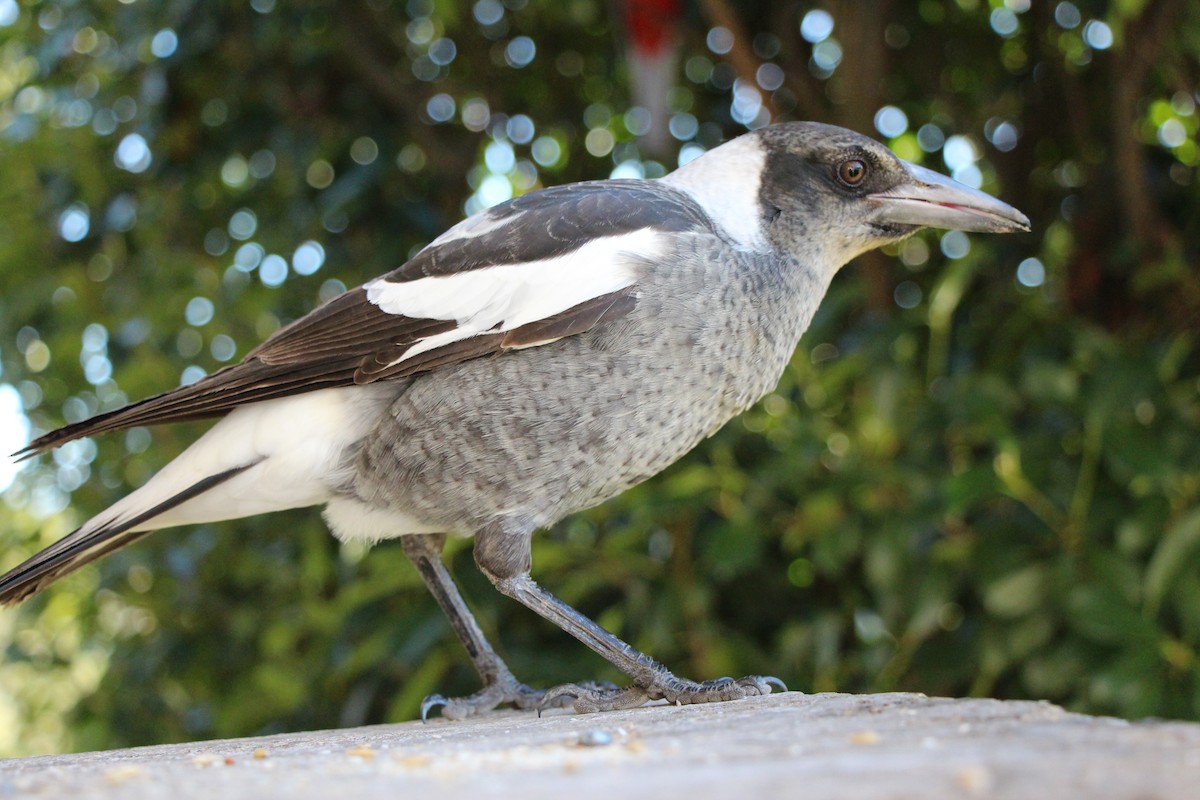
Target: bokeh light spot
546,151
308,258
222,347
273,271
520,52
720,40
958,152
234,171
683,126
493,190
1172,133
10,12
769,76
133,153
74,222
364,150
262,164
1098,35
816,26
907,294
248,256
191,375
628,169
1031,272
930,138
1067,15
199,311
891,121
1004,21
599,142
499,157
488,12
476,114
164,43
955,244
443,51
827,55
411,158
520,129
243,224
440,108
319,174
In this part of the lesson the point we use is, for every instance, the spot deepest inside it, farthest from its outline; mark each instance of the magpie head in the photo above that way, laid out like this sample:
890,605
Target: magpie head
836,192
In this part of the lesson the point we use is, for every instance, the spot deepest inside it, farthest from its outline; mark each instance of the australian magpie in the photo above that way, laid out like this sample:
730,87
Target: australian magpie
536,359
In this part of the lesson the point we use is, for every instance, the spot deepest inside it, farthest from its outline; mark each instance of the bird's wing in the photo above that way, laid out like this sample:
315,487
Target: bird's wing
538,268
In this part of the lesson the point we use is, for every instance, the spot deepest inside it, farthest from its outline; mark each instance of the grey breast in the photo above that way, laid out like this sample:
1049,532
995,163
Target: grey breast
543,432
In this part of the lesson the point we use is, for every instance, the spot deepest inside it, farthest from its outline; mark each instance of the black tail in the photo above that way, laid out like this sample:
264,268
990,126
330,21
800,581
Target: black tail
86,544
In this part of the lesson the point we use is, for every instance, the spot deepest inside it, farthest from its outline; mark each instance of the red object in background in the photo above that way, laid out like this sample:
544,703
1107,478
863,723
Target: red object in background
650,25
651,31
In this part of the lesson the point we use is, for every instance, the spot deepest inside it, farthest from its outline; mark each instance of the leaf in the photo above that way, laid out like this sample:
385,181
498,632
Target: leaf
1019,592
1177,549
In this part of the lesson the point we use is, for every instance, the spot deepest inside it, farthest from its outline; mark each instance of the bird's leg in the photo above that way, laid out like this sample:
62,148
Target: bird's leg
499,684
504,557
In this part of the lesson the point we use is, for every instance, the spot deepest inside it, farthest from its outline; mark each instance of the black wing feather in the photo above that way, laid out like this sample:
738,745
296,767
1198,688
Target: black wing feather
557,221
351,341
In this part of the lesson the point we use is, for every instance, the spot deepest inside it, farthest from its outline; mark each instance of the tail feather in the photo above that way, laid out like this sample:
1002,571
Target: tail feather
216,395
94,539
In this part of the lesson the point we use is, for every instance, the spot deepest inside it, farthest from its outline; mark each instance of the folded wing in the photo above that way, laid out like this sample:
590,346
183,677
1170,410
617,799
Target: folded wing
539,268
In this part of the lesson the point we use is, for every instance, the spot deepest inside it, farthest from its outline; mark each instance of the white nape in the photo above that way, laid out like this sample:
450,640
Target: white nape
726,182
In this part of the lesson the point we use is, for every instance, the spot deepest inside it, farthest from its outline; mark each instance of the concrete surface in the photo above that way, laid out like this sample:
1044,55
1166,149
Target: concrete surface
790,745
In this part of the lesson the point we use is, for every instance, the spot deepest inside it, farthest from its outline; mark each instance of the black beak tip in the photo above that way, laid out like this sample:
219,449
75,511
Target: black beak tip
1021,224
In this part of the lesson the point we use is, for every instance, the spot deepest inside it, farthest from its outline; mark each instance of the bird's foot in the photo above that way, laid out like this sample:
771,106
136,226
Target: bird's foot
505,691
590,698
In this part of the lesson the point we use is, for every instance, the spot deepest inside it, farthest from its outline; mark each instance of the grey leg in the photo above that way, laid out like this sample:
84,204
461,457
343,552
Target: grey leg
504,558
499,685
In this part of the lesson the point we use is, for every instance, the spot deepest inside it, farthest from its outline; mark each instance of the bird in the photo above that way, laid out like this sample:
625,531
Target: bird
535,360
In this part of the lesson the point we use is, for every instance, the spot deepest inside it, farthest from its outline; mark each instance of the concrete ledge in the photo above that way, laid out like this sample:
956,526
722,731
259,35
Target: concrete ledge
790,745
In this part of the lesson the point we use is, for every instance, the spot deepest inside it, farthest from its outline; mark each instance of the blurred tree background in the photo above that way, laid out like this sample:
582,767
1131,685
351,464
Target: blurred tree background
980,474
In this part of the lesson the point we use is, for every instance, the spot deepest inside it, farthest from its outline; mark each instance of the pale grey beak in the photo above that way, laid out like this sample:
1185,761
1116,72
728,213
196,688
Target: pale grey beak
933,200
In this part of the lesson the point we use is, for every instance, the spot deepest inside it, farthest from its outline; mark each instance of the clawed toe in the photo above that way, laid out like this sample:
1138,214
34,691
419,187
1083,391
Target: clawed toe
730,689
771,680
589,698
461,707
431,702
567,695
489,697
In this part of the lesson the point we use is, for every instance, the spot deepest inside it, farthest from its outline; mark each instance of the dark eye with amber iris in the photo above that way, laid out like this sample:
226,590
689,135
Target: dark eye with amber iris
852,172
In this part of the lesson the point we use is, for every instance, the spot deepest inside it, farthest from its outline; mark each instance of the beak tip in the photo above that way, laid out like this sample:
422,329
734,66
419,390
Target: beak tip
1019,224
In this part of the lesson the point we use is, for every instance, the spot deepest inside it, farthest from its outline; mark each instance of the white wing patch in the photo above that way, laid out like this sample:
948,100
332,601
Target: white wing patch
507,296
727,188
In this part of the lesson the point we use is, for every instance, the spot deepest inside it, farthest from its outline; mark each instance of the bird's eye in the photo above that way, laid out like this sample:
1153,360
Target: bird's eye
852,172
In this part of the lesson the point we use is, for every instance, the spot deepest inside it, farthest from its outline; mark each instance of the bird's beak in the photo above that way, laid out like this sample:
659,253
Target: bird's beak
932,200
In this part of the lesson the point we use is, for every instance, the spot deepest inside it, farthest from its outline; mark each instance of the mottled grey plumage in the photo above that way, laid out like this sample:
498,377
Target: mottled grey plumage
535,360
570,424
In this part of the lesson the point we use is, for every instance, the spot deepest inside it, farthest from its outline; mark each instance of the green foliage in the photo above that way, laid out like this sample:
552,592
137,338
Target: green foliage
980,474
